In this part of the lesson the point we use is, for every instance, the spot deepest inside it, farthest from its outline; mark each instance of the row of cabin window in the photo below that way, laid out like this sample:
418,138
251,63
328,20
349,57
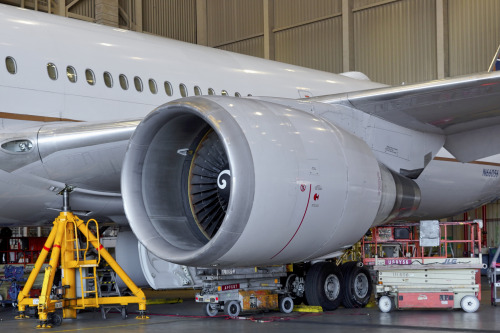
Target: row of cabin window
11,65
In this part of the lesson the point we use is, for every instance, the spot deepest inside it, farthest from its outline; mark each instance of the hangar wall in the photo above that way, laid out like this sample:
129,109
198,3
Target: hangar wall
392,41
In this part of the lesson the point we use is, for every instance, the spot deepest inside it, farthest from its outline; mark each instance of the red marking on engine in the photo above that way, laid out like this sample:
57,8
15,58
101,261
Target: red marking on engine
316,196
302,187
307,206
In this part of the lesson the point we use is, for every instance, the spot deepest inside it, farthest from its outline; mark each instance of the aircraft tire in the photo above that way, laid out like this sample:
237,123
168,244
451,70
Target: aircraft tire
324,286
357,285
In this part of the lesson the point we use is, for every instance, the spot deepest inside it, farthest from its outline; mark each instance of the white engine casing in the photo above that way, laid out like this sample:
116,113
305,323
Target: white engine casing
296,187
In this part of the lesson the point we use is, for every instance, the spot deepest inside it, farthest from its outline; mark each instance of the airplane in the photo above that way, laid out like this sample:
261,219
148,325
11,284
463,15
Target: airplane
217,159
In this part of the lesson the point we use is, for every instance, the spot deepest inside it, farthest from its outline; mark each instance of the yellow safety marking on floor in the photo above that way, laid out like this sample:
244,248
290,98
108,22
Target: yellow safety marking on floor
307,308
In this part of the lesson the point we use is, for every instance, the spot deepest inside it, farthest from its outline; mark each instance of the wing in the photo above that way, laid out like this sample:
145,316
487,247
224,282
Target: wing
36,163
465,109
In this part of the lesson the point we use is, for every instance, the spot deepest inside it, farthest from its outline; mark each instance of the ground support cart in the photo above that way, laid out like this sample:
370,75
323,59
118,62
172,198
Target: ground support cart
416,267
243,289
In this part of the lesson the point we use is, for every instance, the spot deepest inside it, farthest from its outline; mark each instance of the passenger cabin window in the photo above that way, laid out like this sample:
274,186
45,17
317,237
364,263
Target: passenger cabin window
71,74
197,91
138,84
90,77
224,93
52,71
183,89
10,63
108,79
123,81
168,88
211,91
152,86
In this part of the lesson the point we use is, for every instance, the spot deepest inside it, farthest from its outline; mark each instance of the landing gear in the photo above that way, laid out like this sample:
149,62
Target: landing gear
324,285
357,285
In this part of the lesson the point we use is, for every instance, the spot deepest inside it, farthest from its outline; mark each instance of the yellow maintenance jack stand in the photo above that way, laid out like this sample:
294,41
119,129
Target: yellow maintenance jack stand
63,240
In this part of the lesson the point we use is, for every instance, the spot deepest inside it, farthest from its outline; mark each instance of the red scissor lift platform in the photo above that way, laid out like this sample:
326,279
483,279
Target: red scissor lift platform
417,266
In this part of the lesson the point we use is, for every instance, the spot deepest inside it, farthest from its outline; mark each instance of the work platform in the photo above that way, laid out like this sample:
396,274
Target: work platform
417,266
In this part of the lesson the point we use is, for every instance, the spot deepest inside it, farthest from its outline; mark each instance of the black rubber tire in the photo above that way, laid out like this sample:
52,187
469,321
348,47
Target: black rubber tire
285,304
209,311
324,286
232,309
357,285
54,319
346,269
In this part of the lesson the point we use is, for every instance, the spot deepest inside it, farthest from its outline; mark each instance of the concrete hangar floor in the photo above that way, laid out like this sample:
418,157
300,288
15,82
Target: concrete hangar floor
187,316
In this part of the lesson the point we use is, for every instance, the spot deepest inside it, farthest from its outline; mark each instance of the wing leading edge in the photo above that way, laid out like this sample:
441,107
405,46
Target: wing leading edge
466,109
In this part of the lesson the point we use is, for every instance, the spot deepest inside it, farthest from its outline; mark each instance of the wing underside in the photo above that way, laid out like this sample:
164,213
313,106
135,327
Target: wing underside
465,109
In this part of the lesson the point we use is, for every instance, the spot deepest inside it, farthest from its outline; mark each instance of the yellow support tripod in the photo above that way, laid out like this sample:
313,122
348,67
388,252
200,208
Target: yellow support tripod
63,241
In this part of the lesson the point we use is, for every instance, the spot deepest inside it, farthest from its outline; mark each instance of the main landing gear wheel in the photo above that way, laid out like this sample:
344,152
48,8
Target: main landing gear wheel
211,310
286,304
357,285
232,309
385,304
469,303
324,286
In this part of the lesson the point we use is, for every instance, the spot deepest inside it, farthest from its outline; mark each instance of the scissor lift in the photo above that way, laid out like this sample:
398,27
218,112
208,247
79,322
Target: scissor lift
64,241
416,268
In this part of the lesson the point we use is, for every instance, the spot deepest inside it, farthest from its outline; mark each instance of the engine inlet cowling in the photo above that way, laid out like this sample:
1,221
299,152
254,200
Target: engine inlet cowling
239,182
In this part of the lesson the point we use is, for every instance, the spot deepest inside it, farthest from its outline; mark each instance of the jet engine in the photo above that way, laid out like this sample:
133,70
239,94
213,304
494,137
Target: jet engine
238,182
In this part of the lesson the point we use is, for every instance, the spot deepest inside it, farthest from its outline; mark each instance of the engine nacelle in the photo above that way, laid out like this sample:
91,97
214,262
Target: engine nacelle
238,182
